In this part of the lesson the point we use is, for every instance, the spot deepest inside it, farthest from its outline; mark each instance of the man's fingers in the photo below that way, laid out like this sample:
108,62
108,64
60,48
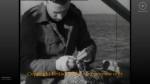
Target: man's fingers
78,61
71,60
81,53
71,65
83,56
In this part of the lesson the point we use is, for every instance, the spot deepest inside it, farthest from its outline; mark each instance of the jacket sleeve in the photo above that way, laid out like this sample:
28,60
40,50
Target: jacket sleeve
84,40
28,56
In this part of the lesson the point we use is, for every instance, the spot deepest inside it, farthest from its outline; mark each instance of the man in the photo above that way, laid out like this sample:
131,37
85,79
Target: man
50,33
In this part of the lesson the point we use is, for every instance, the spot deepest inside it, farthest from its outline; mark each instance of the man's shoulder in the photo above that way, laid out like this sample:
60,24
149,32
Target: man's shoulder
30,14
74,10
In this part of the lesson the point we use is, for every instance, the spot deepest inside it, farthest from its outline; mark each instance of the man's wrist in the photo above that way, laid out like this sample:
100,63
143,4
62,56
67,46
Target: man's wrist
51,65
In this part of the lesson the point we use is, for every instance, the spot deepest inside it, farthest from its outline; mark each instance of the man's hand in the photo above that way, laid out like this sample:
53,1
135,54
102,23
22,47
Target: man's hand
71,62
65,63
85,55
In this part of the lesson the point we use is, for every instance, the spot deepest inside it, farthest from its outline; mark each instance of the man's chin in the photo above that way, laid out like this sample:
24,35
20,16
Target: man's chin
57,20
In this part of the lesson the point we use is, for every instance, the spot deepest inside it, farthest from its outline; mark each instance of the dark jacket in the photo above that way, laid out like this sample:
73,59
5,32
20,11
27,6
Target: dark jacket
43,41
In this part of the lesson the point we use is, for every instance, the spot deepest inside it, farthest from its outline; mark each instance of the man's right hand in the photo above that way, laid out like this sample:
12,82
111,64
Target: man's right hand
65,63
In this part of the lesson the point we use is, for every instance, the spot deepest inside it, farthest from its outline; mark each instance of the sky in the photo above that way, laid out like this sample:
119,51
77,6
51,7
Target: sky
87,7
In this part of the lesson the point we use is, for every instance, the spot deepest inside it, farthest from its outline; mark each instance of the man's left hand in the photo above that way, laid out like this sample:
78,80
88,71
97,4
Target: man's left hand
85,55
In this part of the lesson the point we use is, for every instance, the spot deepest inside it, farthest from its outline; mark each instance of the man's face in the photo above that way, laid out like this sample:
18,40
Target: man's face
56,11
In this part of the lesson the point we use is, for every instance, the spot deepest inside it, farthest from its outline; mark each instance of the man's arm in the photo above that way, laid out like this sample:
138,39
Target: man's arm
28,57
84,40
